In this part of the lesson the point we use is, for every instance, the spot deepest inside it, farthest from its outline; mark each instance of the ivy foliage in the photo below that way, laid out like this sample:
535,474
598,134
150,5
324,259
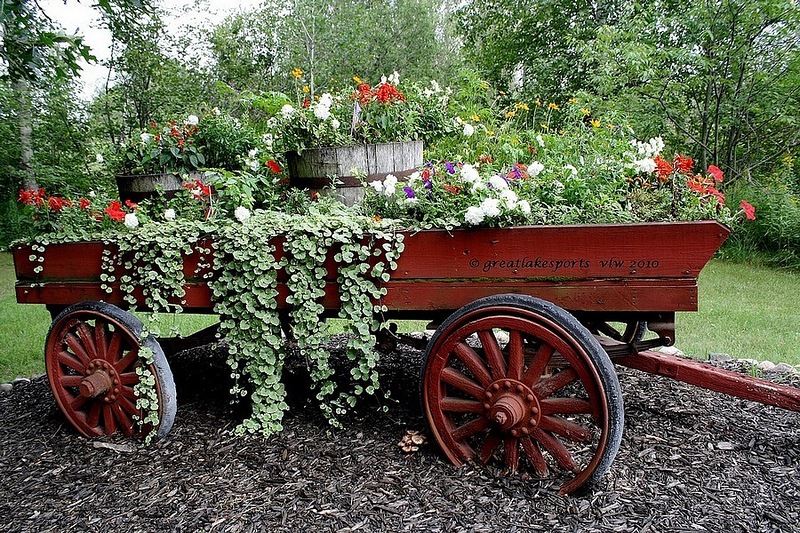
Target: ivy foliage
269,276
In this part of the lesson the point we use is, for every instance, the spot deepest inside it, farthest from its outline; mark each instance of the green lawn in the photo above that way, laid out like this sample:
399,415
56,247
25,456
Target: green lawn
745,311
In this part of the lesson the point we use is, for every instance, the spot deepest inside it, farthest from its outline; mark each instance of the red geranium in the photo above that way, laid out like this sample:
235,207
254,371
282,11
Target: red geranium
684,164
749,210
664,169
114,211
716,172
274,166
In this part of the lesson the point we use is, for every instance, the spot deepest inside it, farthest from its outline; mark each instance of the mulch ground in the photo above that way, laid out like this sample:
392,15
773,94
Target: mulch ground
691,460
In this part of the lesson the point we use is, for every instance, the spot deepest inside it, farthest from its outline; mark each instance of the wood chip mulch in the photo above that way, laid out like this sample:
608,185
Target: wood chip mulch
691,460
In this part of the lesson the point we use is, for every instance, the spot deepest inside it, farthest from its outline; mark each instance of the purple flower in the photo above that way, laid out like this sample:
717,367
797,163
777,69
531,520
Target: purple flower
450,168
428,184
409,192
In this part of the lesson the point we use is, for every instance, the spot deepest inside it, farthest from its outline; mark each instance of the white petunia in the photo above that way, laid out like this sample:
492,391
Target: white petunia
524,206
415,177
335,124
469,129
92,194
572,169
477,186
131,221
498,182
540,141
241,213
474,215
322,112
377,185
491,207
252,153
435,85
169,214
535,168
469,174
509,198
99,158
192,120
389,184
287,111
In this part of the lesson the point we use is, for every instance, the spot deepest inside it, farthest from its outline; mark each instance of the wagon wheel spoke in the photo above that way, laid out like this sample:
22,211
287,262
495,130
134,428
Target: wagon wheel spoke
498,395
494,355
91,357
534,455
473,362
538,364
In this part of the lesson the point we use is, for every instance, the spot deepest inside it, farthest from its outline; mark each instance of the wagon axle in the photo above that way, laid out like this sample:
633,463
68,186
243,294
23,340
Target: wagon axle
101,379
512,406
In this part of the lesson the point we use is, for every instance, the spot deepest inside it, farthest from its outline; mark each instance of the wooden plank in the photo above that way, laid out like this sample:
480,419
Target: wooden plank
595,295
713,378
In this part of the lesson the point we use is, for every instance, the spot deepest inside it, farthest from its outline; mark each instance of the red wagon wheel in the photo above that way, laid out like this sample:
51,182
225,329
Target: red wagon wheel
92,357
516,378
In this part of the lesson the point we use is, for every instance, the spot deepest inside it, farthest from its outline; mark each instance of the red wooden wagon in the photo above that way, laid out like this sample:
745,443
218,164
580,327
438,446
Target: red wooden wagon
530,321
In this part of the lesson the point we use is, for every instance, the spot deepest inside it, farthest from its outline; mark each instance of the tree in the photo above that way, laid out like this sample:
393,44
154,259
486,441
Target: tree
725,74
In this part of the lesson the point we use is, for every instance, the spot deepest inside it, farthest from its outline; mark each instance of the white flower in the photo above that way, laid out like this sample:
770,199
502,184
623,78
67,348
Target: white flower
497,182
389,184
377,185
253,164
415,176
131,221
326,100
469,129
469,174
169,214
268,140
524,206
646,165
411,201
92,194
394,79
335,124
540,141
241,213
145,137
477,186
435,85
322,112
458,121
287,111
535,168
490,207
215,111
509,198
99,158
474,215
252,153
572,169
192,120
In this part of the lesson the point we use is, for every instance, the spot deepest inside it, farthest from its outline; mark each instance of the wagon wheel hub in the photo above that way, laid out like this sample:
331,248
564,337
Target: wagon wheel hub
512,406
101,380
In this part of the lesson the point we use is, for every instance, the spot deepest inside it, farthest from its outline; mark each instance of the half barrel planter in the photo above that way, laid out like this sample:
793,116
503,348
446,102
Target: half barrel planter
138,187
338,167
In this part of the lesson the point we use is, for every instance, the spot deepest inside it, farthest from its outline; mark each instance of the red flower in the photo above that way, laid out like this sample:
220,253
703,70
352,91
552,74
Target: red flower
306,102
57,204
84,203
684,164
663,168
132,205
274,166
198,189
452,188
114,211
749,210
32,197
716,172
486,159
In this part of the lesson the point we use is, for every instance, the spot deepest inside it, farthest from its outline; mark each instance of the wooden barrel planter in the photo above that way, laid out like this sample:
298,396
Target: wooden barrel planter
339,166
138,187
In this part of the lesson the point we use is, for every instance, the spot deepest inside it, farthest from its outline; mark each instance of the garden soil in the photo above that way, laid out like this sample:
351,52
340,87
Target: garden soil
691,460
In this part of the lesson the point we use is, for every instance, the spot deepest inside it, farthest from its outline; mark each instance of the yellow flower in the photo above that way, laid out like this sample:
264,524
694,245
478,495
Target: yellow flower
475,118
595,123
544,126
297,73
538,102
510,114
553,106
522,106
610,126
573,100
586,112
358,80
502,92
484,85
306,89
490,133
